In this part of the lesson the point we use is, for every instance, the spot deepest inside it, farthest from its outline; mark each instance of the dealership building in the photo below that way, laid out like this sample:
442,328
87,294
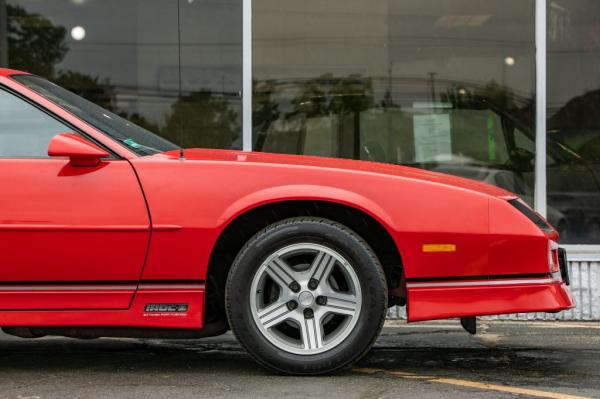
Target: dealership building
505,92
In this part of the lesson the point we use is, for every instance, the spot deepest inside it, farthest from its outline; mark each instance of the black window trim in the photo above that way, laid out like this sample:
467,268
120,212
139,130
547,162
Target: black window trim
112,154
532,215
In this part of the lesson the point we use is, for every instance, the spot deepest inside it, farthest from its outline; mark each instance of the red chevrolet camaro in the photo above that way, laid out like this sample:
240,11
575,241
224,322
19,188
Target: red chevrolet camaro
109,230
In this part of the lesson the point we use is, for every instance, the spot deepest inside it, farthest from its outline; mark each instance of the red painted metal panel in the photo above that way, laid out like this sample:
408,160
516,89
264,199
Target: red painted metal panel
61,223
67,300
448,302
135,316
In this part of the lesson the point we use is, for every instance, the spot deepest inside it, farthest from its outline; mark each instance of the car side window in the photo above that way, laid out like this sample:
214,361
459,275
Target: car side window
25,131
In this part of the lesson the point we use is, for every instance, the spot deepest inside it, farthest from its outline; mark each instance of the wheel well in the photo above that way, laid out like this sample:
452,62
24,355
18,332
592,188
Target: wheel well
241,229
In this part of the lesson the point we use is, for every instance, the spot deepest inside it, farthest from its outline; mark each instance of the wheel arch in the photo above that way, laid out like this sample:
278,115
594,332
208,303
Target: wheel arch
245,221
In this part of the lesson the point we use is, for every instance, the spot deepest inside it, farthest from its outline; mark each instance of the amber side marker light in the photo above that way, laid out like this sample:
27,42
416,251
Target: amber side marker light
439,248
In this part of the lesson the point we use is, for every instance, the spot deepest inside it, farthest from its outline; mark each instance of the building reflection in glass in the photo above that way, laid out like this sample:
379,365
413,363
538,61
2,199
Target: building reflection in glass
125,56
442,85
573,117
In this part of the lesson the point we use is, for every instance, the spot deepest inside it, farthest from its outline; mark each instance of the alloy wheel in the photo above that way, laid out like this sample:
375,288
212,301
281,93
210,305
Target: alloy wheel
305,298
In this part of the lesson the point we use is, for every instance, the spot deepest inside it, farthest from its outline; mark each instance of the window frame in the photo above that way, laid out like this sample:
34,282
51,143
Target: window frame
540,197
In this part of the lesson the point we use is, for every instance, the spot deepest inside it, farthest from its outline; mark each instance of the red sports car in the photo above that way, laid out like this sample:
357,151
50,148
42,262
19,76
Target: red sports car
109,230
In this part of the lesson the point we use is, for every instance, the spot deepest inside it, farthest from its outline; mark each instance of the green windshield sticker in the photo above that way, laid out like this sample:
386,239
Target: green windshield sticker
131,143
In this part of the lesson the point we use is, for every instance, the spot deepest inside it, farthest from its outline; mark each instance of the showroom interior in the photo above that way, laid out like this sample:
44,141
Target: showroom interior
503,92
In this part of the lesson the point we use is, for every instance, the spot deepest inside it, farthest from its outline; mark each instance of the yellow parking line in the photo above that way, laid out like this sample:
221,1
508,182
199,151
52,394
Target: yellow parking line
472,384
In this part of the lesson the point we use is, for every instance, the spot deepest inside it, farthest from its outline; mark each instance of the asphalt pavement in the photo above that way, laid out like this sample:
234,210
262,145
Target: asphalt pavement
429,360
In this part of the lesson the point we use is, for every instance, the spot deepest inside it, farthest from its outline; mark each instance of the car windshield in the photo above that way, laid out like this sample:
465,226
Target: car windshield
134,137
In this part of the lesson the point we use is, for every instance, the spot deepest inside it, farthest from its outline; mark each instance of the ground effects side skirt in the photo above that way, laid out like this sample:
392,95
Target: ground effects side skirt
65,305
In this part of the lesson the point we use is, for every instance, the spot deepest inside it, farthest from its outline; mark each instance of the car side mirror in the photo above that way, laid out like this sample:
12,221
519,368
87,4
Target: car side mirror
80,151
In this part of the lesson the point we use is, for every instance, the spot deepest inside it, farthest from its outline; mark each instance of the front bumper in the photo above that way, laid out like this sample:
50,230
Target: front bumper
490,298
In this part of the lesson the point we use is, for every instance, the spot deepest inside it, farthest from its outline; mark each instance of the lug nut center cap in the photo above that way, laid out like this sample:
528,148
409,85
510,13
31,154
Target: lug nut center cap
306,298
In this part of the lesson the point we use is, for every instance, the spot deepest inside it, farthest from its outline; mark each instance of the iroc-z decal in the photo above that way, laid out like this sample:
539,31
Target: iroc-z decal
166,308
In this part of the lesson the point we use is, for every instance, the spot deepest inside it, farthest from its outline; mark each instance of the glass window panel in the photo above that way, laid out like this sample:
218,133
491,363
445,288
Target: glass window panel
442,85
125,56
25,131
573,123
110,51
209,111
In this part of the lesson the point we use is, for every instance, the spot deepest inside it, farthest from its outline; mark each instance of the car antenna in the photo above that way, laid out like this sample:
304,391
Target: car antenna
181,133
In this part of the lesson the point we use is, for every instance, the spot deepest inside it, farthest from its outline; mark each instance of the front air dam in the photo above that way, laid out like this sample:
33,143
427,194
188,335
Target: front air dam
442,302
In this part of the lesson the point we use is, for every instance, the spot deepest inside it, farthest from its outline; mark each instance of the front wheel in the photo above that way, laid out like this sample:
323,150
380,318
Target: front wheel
306,296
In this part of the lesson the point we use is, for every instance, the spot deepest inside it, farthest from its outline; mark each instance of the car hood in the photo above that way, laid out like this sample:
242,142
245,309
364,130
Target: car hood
197,154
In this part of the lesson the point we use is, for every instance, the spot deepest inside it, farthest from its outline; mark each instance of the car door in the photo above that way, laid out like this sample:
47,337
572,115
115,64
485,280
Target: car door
71,237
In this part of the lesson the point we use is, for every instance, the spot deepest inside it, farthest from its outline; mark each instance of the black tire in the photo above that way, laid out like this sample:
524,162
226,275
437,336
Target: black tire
327,233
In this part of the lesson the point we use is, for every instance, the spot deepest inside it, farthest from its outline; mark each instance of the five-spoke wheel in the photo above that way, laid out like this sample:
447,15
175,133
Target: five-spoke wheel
306,296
